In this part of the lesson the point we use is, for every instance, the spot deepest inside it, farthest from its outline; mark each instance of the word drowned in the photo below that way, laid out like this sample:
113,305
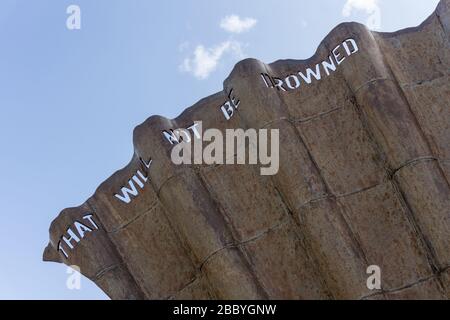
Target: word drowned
324,68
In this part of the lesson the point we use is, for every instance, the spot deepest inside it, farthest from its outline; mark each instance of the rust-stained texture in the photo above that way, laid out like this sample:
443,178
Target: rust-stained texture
363,180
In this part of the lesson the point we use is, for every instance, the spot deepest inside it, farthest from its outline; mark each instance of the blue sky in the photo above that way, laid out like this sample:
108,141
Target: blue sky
70,99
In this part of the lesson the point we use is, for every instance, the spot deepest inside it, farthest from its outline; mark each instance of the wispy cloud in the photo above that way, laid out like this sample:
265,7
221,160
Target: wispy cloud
235,24
205,60
370,7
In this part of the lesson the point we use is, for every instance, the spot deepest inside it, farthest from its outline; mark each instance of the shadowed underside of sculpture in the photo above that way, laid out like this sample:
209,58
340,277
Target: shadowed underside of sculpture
364,171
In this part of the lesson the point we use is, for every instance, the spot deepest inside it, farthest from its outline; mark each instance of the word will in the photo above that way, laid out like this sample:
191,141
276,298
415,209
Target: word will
326,67
127,193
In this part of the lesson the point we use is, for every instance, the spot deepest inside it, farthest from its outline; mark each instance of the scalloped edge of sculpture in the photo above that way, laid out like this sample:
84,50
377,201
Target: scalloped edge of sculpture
51,251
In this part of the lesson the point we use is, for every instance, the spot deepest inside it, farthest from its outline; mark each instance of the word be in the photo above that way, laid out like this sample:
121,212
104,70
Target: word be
229,106
127,193
213,153
77,235
73,22
294,81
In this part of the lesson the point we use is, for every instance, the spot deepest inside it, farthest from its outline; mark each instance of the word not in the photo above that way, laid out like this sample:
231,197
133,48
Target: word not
294,81
127,193
213,152
77,235
178,135
229,106
374,280
73,22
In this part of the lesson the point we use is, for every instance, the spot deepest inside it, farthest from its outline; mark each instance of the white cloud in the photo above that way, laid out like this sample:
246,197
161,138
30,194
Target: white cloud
363,5
235,24
370,7
205,60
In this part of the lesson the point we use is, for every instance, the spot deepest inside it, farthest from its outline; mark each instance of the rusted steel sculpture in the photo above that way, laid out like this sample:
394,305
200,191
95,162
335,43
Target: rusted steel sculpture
363,179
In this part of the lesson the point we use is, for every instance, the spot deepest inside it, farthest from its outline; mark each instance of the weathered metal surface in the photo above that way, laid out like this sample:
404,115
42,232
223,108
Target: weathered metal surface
363,180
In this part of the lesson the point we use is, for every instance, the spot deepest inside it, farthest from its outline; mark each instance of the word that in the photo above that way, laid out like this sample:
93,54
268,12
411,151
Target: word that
75,234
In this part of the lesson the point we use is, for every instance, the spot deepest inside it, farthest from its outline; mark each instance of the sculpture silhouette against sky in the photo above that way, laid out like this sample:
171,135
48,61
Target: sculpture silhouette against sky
363,181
